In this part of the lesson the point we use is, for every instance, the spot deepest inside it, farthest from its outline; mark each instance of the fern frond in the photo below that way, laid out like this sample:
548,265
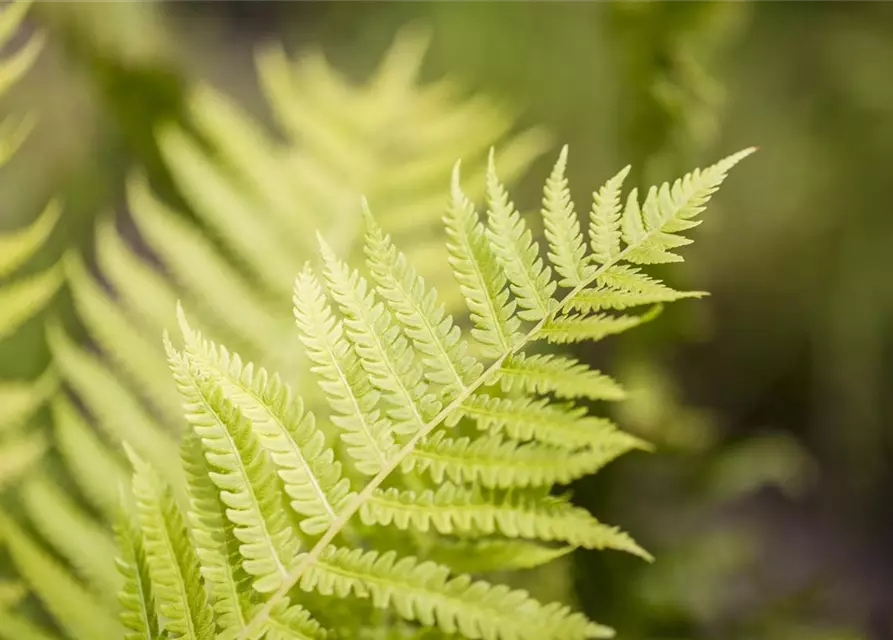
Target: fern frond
173,564
367,434
253,434
575,327
564,377
632,281
424,319
137,600
651,233
244,474
451,510
215,541
308,469
424,592
602,298
536,419
493,462
517,253
605,219
480,278
78,613
522,418
384,352
562,228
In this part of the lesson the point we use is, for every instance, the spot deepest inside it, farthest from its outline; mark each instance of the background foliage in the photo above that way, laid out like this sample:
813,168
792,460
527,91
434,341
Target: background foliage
767,500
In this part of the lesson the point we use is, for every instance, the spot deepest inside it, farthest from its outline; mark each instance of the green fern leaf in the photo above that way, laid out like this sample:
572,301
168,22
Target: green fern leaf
564,377
600,299
479,276
651,232
424,319
137,600
384,352
309,472
215,541
517,253
492,462
622,286
542,433
629,279
575,327
604,219
465,512
245,476
173,564
368,435
562,228
536,419
398,356
425,593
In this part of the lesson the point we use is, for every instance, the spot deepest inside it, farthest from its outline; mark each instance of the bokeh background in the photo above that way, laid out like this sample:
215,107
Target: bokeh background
768,499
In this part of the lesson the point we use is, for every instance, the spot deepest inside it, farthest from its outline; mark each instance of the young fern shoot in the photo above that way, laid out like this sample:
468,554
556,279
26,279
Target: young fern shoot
295,516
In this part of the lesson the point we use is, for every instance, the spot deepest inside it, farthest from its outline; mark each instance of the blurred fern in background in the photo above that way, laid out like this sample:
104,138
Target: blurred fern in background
22,294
